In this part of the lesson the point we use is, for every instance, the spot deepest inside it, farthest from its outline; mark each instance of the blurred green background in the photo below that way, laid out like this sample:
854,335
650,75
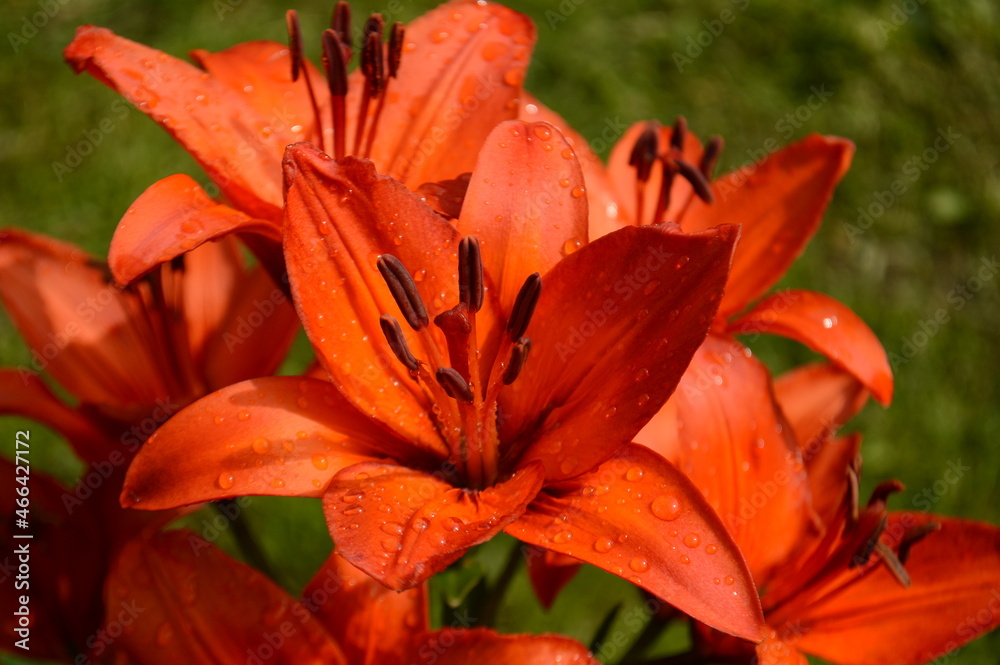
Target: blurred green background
895,74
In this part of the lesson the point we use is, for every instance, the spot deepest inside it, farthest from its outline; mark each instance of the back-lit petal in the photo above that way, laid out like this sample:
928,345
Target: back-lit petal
482,645
818,400
638,517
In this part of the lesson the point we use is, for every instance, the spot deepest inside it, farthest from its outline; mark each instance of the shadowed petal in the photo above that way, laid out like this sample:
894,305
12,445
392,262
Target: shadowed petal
826,326
371,623
187,602
284,436
401,526
640,518
460,75
818,400
482,645
779,204
341,216
614,329
235,145
549,572
174,216
875,620
526,203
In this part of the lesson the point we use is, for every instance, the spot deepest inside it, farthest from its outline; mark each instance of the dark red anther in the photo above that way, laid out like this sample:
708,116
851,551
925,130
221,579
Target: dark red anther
376,24
396,47
693,175
518,356
454,384
710,157
334,63
470,274
373,63
294,42
403,290
679,134
394,335
863,554
913,536
645,150
882,491
340,23
524,306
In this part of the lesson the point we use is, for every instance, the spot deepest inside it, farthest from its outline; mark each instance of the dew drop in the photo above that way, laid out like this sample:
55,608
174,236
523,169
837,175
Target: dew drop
568,465
577,192
243,416
454,523
730,580
711,548
563,537
277,482
634,473
692,540
260,445
320,462
420,524
666,507
543,132
685,559
226,480
571,246
352,495
603,545
639,564
219,420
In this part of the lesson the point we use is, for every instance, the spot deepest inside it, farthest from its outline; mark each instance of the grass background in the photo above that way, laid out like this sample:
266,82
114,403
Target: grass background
899,71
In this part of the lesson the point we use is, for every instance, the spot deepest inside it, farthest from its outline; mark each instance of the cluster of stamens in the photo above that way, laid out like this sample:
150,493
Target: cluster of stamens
646,153
466,404
379,65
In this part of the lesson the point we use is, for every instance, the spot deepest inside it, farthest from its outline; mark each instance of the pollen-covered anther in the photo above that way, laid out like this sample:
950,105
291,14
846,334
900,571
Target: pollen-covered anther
518,356
645,151
295,49
710,156
397,342
864,553
396,36
454,384
679,134
524,306
403,290
340,22
913,536
470,274
693,175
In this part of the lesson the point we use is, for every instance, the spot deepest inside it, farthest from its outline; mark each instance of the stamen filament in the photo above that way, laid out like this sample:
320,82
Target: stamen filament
295,47
335,64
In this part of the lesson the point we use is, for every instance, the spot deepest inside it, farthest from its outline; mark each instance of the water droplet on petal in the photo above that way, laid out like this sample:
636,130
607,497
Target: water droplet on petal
685,559
578,192
639,564
244,416
666,507
543,132
711,549
692,540
320,462
563,537
260,445
603,545
277,482
634,473
454,523
226,480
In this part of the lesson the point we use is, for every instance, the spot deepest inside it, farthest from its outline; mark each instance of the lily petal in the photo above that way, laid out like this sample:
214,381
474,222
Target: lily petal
460,75
423,523
826,326
609,342
549,572
640,518
526,203
284,436
818,400
372,624
230,140
174,216
735,445
482,645
779,203
341,216
876,620
199,606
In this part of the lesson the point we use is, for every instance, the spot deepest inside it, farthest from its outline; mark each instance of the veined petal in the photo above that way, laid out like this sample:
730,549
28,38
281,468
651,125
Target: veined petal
284,436
526,203
341,216
615,327
640,518
191,603
602,202
371,623
226,135
482,645
82,328
736,447
549,572
779,204
460,75
23,394
401,526
174,216
875,620
818,400
826,326
775,651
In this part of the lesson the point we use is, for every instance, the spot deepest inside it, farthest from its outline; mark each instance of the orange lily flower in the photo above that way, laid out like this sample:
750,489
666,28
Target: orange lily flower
130,357
430,440
863,586
419,108
200,606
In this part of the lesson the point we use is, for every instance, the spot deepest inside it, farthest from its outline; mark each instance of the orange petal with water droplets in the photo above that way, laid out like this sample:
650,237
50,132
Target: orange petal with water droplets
283,436
826,326
623,178
188,602
460,75
774,651
602,202
341,216
526,203
549,572
615,327
483,645
733,443
875,620
371,623
638,517
230,140
174,216
401,525
779,204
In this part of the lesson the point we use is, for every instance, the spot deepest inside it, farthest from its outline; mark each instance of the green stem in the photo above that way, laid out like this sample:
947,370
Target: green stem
488,612
245,540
